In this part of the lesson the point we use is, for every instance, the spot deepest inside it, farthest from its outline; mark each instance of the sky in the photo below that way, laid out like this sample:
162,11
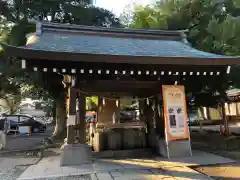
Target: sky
117,6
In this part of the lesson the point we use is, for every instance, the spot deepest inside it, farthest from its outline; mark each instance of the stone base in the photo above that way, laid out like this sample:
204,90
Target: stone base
75,154
119,139
162,147
180,148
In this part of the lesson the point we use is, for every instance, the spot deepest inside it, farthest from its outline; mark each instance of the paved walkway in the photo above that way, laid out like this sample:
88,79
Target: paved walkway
126,169
12,168
228,171
222,172
175,173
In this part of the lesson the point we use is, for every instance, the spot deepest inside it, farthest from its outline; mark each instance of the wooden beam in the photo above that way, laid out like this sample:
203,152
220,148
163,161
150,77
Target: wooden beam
95,66
109,84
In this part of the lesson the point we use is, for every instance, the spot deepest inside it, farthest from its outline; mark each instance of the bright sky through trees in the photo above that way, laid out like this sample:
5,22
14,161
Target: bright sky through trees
117,6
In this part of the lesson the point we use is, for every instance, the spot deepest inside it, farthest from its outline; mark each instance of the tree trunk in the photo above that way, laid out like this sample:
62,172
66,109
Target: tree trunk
60,126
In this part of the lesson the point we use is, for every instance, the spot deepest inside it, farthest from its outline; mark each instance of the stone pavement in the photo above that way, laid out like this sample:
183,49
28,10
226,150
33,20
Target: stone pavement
125,169
199,158
12,168
175,173
222,172
130,169
228,171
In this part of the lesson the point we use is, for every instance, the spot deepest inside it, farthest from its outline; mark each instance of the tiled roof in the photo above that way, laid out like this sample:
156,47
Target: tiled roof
96,44
115,41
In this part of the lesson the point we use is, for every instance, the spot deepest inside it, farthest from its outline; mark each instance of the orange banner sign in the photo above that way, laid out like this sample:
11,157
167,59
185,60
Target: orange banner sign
175,112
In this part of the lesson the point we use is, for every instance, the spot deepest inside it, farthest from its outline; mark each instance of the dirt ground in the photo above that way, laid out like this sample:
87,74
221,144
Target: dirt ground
224,172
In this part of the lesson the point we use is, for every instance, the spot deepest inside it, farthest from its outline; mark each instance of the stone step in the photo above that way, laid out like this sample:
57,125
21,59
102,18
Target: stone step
124,153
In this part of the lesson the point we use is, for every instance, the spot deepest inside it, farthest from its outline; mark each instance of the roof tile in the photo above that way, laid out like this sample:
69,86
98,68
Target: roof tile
93,44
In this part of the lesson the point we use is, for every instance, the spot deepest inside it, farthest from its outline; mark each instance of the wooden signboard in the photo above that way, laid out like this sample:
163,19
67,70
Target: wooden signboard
177,136
175,112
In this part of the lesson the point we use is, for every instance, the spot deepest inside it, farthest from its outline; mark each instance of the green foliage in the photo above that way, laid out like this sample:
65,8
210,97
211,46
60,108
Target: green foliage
226,35
91,103
7,87
11,103
89,15
62,11
17,35
213,26
236,3
232,7
148,17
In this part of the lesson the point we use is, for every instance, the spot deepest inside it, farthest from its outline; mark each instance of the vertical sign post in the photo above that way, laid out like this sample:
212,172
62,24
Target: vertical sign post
175,114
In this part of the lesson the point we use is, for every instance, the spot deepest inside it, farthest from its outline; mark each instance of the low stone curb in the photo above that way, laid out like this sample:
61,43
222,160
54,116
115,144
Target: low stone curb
23,152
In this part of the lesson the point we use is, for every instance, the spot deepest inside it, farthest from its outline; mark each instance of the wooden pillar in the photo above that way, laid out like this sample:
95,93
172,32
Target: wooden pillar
229,109
237,109
141,109
148,115
99,107
81,115
157,118
162,122
71,112
72,96
224,118
208,113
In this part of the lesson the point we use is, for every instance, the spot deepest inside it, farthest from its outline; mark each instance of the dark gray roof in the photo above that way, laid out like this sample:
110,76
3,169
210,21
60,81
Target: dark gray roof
113,45
145,32
94,44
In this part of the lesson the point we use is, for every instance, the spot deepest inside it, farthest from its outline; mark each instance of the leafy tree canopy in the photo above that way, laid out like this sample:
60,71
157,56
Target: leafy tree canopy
212,25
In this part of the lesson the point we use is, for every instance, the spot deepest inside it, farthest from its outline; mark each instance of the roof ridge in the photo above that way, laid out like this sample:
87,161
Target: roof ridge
48,25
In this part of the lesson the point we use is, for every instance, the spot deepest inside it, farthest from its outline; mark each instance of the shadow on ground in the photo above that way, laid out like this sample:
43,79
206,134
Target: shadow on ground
229,171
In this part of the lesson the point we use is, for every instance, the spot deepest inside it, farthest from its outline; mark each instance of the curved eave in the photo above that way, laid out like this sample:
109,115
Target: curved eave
106,58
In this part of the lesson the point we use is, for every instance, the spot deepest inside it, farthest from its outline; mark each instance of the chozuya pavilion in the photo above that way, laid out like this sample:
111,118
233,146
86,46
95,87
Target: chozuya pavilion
151,65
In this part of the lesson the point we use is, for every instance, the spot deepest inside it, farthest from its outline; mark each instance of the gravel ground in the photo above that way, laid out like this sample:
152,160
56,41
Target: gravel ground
12,167
82,177
12,173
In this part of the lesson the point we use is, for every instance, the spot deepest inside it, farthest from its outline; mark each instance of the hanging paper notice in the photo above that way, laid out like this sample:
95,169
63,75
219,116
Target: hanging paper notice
175,112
